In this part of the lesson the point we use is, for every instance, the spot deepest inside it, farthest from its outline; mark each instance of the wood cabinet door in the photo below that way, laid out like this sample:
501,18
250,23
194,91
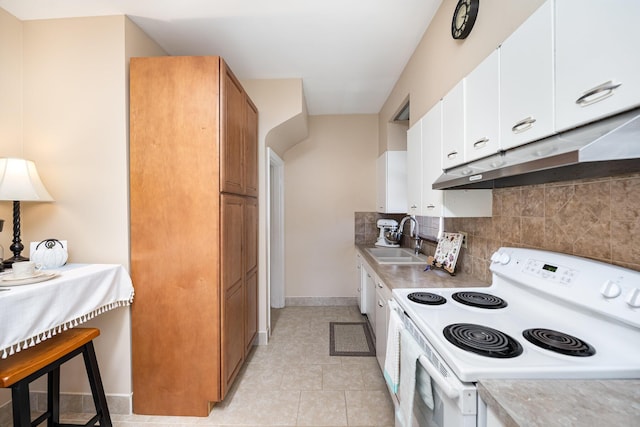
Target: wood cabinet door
251,149
232,335
251,309
173,163
251,269
232,123
232,277
231,239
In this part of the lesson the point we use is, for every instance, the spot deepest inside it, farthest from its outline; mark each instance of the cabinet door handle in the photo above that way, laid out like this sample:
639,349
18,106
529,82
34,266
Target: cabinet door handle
452,155
414,207
380,304
430,206
598,93
523,125
380,285
480,143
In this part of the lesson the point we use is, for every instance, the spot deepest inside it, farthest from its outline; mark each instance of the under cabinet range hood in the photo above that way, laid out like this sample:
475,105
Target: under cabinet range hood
607,147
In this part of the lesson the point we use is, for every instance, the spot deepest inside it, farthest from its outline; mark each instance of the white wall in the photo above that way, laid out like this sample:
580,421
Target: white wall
328,177
74,126
10,116
282,119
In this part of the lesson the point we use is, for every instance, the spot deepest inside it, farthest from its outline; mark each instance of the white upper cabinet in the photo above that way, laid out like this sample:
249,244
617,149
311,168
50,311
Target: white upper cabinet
431,160
449,203
482,109
526,81
597,60
392,182
453,125
414,169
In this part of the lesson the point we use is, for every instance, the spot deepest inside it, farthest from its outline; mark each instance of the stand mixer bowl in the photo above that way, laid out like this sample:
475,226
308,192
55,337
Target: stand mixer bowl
393,237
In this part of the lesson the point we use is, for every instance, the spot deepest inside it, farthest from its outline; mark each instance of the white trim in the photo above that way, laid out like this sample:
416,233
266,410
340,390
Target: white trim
275,232
321,301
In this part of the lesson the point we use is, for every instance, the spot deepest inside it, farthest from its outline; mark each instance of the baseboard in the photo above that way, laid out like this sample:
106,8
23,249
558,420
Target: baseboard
120,404
6,414
77,403
263,338
319,301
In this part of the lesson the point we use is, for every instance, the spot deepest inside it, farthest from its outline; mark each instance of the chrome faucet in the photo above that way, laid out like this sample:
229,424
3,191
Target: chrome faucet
416,238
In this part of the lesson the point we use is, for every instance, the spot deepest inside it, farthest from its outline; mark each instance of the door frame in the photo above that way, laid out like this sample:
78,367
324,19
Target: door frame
275,231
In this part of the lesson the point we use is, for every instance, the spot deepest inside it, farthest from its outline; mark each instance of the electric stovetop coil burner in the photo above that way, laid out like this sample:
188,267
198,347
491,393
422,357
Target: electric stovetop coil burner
559,342
479,299
482,340
427,298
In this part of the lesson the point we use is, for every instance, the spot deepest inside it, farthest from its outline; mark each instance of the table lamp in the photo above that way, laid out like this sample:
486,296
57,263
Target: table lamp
19,182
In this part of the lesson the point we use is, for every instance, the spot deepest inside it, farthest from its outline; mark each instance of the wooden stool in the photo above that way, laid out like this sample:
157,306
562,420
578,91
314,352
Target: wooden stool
20,369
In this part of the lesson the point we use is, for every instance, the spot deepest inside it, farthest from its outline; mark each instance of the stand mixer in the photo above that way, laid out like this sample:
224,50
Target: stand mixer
386,225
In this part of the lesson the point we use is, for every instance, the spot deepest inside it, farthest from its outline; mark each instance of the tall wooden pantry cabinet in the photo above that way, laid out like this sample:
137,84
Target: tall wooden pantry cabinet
194,232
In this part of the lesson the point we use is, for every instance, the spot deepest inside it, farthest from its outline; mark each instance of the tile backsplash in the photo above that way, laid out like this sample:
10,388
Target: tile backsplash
596,218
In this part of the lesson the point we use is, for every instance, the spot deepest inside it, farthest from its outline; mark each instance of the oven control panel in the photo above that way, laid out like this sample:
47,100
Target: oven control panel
593,285
548,271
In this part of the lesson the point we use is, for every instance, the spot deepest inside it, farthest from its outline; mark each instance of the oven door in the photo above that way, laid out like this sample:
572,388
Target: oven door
454,402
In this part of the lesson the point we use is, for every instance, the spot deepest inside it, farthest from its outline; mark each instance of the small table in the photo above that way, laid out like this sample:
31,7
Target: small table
31,313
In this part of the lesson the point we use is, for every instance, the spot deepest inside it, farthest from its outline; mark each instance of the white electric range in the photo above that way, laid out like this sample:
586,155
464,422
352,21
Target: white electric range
546,315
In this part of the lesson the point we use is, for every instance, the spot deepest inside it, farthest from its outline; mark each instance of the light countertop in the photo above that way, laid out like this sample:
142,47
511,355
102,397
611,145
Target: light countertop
414,276
575,403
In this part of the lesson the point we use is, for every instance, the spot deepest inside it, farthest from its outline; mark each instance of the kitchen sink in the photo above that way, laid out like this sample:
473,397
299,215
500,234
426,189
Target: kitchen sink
396,256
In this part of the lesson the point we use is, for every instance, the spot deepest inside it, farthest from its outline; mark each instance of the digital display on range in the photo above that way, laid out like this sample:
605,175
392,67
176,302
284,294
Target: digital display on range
551,268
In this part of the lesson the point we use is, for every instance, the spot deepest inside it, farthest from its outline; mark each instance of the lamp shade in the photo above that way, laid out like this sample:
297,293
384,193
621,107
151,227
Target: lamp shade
19,181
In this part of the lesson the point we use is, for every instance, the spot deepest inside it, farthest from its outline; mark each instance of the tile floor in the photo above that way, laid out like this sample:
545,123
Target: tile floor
294,382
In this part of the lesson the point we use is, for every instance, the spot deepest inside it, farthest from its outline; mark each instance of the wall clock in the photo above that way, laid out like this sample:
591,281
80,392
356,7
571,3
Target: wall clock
464,17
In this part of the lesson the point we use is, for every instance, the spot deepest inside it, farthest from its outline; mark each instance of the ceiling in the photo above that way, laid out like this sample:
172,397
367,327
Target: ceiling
348,53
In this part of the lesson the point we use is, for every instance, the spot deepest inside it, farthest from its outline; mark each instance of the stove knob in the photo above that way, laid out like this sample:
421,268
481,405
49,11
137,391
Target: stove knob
634,298
504,259
610,289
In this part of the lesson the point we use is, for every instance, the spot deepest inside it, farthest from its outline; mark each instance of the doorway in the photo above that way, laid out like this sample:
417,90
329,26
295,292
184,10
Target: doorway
275,233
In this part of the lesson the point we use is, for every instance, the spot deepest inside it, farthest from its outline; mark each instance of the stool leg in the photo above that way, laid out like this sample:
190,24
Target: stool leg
53,397
99,399
20,402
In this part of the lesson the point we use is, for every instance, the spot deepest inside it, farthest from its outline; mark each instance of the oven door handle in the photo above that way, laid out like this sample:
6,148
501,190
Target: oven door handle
444,385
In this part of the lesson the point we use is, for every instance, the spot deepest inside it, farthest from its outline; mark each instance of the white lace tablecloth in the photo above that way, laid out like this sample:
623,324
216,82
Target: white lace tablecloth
29,314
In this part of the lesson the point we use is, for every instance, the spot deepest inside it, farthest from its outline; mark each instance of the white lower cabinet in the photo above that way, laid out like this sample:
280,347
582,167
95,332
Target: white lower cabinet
383,295
377,296
362,276
370,296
